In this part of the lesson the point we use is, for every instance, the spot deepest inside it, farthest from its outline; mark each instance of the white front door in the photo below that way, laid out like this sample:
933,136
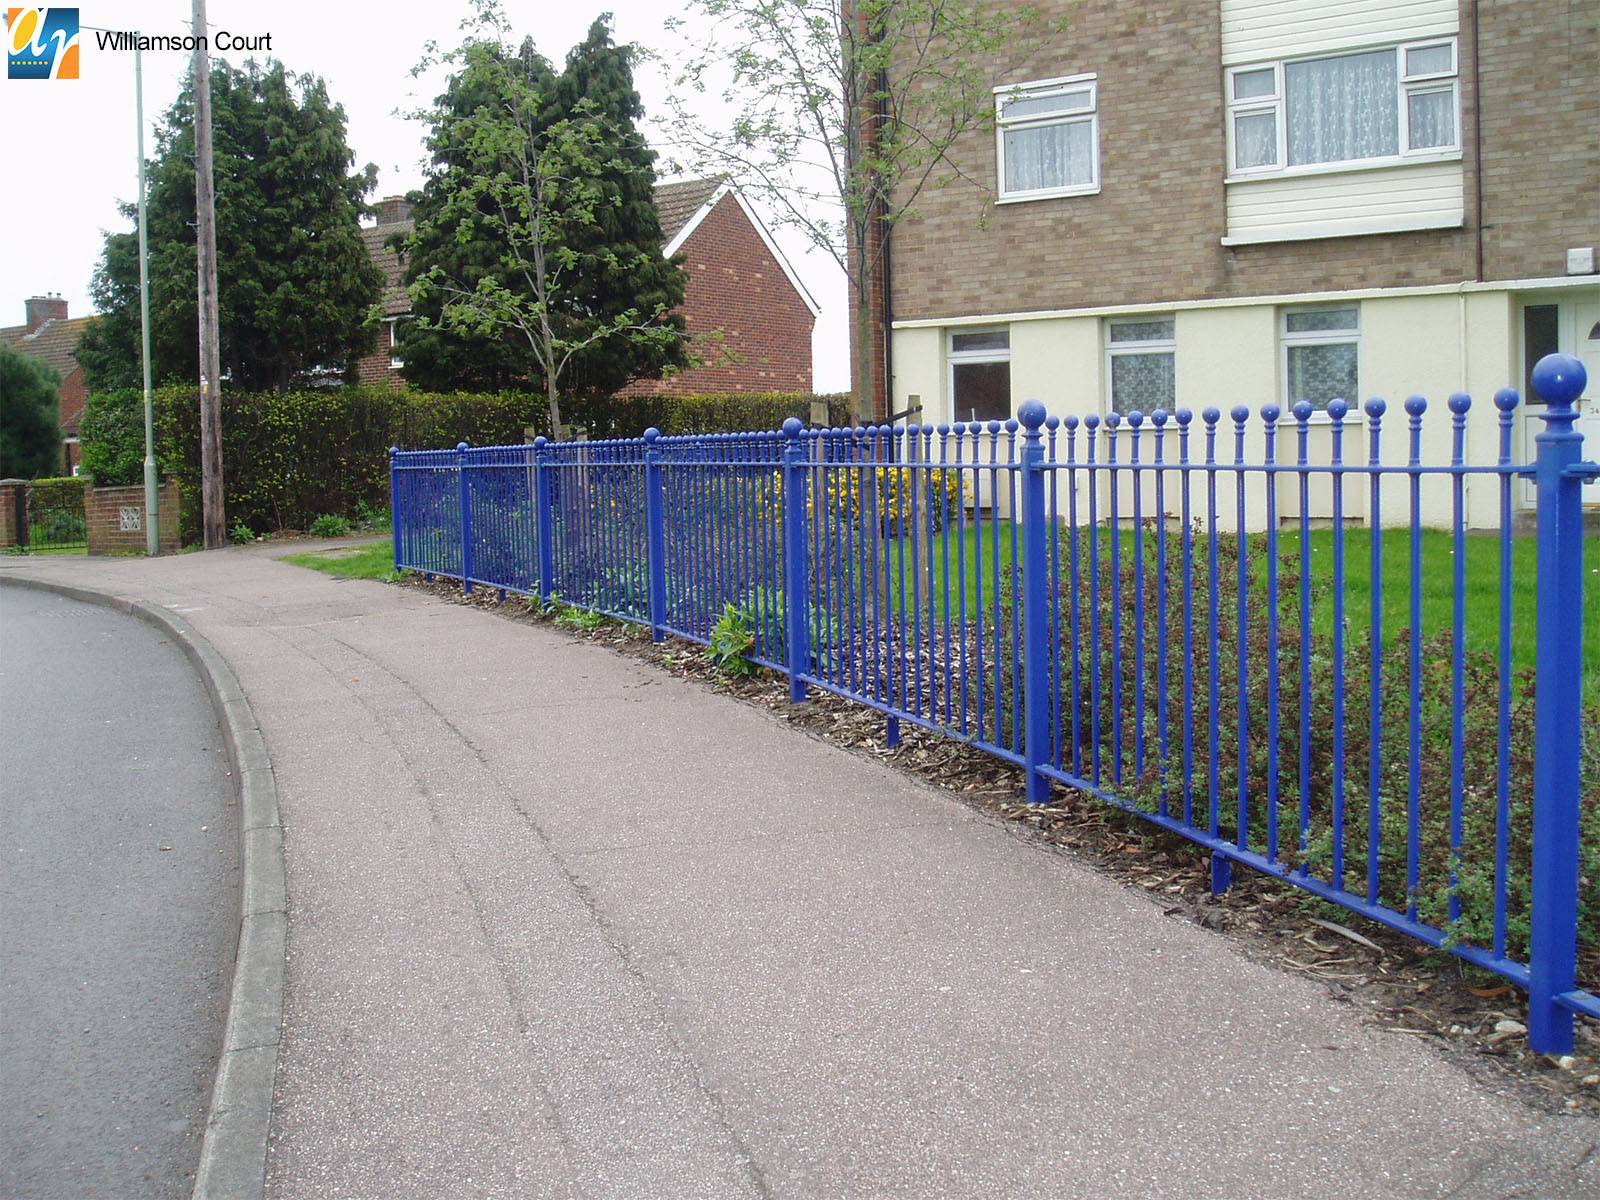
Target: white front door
1567,324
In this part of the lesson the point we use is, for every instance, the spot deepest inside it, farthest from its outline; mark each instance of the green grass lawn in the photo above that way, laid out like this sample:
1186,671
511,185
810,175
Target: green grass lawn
975,552
373,561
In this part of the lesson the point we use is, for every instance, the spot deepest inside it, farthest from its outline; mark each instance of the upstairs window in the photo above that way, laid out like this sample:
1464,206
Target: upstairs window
1374,107
1047,138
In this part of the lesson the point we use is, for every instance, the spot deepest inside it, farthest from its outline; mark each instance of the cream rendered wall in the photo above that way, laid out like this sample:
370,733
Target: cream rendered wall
1430,345
919,371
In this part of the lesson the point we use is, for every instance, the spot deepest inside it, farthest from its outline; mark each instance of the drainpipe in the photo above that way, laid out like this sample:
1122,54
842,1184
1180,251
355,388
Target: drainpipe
1477,147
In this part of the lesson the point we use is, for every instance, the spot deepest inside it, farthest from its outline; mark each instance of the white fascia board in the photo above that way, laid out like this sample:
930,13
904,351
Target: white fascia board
704,211
1167,306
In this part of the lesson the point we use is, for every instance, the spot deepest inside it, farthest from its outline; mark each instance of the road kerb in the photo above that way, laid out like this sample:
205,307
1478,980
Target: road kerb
233,1154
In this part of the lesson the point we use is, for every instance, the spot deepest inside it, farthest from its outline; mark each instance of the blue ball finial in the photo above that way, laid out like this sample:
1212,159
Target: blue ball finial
1270,413
1240,413
1376,407
1302,410
1337,409
1031,413
1559,379
540,442
1459,402
1416,405
1211,415
791,427
1506,399
650,435
462,447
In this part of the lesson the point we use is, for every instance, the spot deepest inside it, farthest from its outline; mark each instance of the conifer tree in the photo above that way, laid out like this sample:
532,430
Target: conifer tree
295,282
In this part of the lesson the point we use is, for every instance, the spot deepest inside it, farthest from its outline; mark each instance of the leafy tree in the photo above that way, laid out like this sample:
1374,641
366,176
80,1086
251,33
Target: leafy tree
846,111
30,430
536,254
294,281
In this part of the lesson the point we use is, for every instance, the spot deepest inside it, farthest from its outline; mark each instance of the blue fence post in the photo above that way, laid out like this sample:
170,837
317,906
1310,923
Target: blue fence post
655,536
796,603
394,502
1035,605
466,519
544,524
1558,673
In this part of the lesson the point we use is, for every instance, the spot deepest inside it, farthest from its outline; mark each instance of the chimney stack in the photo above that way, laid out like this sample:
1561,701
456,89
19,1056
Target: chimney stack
40,309
393,209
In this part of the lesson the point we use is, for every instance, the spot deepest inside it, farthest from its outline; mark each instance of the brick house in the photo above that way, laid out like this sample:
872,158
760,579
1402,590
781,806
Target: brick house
743,303
1214,202
51,336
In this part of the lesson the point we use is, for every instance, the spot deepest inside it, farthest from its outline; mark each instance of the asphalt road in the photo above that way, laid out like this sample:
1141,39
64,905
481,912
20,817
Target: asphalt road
118,904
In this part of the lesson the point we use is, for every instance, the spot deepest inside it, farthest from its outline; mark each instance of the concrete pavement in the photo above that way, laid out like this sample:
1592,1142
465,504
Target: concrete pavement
560,925
118,903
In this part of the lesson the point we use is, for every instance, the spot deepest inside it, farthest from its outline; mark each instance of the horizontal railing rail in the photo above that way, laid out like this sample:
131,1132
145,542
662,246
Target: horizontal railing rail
1315,669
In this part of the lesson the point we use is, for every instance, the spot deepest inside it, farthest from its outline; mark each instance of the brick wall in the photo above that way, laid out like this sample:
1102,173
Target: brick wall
1153,233
10,491
1540,62
737,288
375,369
103,511
73,394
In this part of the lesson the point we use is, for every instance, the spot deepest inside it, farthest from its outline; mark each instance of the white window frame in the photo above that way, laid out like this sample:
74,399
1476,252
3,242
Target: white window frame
1043,88
1154,346
395,360
954,358
1406,85
1318,337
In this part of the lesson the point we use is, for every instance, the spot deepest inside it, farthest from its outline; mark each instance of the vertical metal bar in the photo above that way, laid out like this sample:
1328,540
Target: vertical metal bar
1336,412
1241,414
1114,571
1459,403
1415,407
1211,416
1184,417
1269,420
466,519
1163,633
1557,737
794,556
395,514
961,569
1302,417
1035,604
1505,401
1375,409
655,536
1091,427
1074,602
1052,423
1138,616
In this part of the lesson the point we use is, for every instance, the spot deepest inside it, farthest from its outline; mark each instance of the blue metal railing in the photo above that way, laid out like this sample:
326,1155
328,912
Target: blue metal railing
1133,607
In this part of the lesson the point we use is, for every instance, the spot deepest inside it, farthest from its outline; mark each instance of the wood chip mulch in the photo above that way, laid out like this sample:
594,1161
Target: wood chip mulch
1473,1018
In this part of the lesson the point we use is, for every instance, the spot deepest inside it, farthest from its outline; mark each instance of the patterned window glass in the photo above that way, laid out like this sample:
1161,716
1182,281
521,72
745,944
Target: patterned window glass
1143,364
1322,356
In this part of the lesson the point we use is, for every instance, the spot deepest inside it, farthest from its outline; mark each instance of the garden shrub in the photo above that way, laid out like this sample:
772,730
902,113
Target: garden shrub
290,456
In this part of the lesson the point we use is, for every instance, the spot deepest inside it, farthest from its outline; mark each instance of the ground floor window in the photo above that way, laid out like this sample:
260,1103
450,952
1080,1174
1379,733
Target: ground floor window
980,375
1321,356
1141,364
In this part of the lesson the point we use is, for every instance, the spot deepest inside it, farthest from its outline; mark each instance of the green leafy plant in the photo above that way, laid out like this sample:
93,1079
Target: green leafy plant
579,620
370,517
732,638
241,534
330,525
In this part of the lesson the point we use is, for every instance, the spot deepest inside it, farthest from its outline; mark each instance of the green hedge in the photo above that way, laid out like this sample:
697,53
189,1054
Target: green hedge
290,457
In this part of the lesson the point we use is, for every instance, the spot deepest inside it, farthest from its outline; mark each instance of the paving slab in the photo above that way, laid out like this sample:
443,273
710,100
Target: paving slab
560,925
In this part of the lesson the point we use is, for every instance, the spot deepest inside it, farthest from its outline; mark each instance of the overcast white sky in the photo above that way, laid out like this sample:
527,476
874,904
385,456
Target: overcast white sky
72,151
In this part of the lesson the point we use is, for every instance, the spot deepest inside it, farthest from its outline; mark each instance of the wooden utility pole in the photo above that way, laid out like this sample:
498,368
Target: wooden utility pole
206,229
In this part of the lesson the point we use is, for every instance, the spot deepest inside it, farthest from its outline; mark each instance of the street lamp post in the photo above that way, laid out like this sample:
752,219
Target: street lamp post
152,514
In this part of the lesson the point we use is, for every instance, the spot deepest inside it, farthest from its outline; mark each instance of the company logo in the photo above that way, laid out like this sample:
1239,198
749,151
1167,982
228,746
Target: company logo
41,43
